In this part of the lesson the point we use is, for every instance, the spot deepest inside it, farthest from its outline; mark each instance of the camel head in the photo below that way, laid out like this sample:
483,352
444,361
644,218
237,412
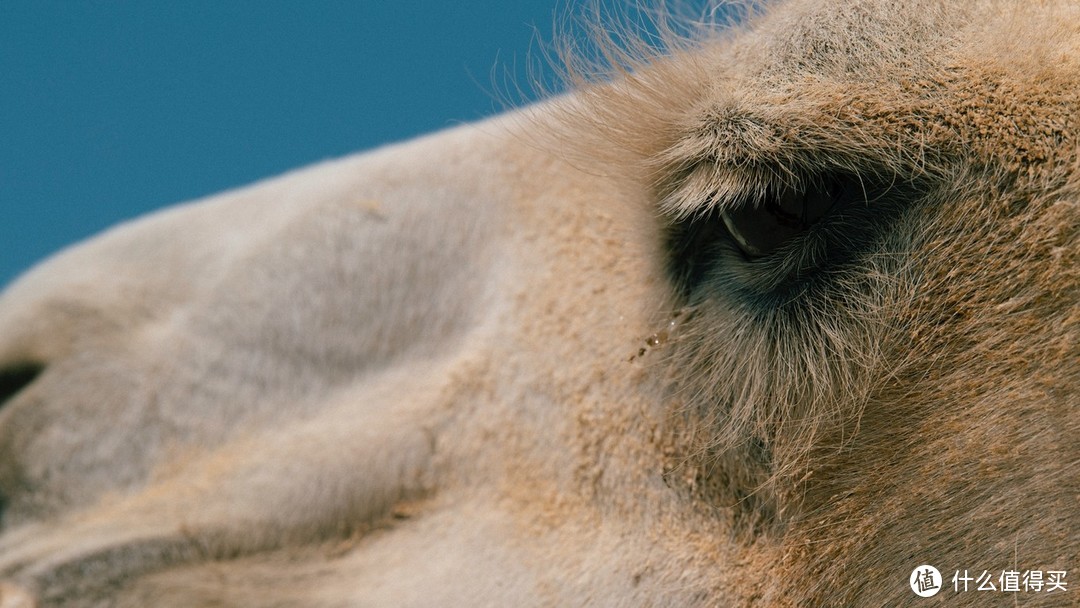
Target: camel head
775,317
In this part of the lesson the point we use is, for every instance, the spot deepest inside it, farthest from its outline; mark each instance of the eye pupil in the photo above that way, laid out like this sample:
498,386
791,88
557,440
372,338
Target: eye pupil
789,209
760,229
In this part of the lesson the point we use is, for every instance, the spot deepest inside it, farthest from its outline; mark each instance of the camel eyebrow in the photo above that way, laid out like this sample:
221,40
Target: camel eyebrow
708,186
723,161
739,150
708,171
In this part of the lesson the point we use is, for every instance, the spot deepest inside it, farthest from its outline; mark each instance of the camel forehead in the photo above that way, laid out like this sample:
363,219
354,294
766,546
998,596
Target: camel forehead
873,88
879,40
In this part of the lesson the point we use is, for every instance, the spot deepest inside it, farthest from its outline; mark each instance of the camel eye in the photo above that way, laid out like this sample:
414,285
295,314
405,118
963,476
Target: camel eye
17,377
762,227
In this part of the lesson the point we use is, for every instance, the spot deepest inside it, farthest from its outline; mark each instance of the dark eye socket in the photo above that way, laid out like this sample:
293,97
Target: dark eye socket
15,378
761,227
786,235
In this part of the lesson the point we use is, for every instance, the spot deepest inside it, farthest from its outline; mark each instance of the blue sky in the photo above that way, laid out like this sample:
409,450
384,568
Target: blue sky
111,109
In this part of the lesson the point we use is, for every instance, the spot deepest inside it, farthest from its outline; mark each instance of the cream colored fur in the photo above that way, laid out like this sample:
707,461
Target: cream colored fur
467,370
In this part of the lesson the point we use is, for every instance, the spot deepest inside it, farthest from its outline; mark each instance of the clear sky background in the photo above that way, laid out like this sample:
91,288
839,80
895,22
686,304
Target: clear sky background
111,109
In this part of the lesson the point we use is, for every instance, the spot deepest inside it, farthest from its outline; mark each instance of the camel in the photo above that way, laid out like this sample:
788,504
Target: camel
782,314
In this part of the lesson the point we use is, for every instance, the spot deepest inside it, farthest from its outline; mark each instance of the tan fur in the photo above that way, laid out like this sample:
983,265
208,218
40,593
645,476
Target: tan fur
474,368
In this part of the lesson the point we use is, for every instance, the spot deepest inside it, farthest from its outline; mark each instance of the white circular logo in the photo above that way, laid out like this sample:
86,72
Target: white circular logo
925,581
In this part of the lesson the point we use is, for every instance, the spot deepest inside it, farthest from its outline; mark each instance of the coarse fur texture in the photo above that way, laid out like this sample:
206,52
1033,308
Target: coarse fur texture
527,362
